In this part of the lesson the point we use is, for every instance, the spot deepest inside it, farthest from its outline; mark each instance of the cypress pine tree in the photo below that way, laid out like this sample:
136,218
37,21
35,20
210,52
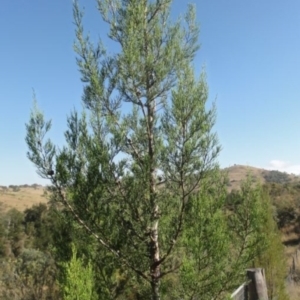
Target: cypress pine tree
141,148
144,142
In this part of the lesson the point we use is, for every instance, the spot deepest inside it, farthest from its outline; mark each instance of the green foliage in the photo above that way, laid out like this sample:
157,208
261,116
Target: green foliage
13,232
206,244
27,277
78,282
38,226
285,198
276,177
272,258
27,273
39,154
247,215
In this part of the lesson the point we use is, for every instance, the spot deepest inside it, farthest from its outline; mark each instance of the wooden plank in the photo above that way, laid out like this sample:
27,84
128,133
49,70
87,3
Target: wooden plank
257,286
239,293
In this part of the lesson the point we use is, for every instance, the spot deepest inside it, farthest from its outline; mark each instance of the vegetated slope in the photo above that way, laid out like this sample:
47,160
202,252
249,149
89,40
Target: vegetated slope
238,173
286,200
283,188
21,197
24,196
284,192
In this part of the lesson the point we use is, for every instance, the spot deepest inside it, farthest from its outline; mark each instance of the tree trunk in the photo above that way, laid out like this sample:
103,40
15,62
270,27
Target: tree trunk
154,244
155,266
155,290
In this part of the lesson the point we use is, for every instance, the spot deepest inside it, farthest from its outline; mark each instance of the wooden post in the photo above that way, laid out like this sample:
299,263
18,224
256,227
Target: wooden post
257,287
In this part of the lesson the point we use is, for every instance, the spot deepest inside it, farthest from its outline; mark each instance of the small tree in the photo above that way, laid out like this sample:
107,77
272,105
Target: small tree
247,215
272,259
78,280
206,243
227,237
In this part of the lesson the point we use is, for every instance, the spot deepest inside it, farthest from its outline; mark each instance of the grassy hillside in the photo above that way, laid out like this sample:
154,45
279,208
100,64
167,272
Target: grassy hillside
21,197
24,196
238,173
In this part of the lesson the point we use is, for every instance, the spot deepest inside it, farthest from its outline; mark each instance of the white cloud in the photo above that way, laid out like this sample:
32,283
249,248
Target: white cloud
279,164
283,166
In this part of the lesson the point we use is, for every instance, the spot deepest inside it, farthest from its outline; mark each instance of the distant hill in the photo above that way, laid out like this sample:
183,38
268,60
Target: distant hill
21,197
238,173
24,196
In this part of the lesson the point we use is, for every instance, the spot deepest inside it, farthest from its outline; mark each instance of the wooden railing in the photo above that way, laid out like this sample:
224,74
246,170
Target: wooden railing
255,288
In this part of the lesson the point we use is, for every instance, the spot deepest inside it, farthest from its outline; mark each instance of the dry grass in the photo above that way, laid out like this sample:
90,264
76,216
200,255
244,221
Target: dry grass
293,281
239,173
24,198
293,291
292,254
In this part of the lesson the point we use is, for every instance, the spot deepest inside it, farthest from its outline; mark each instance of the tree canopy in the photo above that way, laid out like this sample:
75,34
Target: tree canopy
139,170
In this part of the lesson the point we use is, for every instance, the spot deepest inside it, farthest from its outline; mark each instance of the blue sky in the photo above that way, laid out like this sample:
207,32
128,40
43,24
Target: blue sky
250,49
